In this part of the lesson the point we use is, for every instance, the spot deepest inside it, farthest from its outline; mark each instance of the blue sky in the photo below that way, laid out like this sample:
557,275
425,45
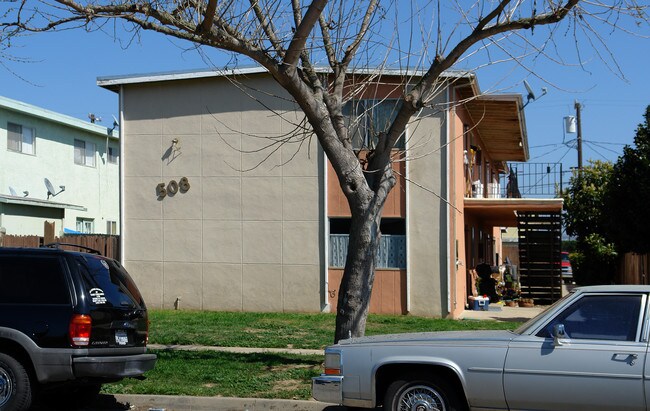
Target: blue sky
64,67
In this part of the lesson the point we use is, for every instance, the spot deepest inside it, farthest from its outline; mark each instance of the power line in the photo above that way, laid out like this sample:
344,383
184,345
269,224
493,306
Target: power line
592,144
604,142
598,152
546,145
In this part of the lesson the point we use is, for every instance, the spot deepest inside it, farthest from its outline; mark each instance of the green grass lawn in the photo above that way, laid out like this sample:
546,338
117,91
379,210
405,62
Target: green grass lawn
280,330
208,373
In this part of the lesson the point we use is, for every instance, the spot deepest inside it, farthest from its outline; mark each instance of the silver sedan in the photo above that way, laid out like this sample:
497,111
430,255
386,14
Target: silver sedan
587,351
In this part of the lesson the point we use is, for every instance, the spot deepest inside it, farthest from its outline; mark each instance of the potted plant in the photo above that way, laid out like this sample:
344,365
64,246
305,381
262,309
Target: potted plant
526,302
511,295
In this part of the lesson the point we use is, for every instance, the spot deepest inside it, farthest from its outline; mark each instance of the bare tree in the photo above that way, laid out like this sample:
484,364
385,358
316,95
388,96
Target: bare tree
292,39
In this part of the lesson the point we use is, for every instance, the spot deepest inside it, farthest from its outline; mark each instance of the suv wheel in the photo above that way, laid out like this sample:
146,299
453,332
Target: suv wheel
15,386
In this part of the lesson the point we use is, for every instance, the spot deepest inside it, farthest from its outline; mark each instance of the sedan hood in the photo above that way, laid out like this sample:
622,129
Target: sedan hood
445,337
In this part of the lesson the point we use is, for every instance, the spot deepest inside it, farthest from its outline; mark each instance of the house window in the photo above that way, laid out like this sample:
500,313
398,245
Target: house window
20,139
367,118
111,227
84,153
112,155
392,244
85,225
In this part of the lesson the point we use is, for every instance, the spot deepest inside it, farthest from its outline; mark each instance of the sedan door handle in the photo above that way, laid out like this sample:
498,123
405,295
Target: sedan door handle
626,357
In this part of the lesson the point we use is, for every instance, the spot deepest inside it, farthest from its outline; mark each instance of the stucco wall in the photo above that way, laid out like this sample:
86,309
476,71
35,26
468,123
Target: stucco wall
22,220
248,234
427,215
95,188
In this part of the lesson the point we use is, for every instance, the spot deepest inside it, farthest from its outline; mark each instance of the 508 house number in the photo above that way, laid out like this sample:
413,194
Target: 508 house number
173,187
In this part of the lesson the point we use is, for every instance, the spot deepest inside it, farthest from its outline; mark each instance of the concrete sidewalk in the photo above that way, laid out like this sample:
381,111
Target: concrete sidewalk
186,403
502,313
499,312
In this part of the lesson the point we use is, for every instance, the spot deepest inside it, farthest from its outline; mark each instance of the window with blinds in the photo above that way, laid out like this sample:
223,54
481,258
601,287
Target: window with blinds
366,118
84,153
20,139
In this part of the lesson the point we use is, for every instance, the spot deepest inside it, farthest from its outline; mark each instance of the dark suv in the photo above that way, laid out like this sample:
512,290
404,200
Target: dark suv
69,321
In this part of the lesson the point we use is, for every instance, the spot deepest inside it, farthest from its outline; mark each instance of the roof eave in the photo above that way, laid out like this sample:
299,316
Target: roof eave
52,116
113,83
36,202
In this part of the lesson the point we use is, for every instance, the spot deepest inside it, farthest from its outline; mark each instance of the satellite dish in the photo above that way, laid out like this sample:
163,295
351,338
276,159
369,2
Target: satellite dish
115,125
531,93
51,190
12,191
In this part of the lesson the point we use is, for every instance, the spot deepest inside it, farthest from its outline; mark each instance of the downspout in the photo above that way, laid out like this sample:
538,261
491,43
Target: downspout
325,307
406,225
121,179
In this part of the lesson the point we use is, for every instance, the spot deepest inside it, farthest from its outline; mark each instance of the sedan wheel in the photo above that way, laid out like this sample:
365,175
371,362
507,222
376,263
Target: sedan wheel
421,395
420,398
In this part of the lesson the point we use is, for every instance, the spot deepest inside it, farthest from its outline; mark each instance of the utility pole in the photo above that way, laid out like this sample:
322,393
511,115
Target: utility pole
579,137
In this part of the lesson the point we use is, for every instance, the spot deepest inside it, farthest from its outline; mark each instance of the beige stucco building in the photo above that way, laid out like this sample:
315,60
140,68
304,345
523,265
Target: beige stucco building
228,202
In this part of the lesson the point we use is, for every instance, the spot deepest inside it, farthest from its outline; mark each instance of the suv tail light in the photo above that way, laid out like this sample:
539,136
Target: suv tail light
79,330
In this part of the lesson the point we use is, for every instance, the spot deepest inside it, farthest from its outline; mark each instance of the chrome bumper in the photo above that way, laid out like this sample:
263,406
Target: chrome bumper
327,388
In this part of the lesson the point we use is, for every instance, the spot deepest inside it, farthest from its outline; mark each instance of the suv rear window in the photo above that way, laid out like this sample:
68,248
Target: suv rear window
32,280
108,284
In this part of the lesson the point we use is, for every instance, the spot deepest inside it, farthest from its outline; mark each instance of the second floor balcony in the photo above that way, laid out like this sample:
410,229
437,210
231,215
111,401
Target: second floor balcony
525,187
523,180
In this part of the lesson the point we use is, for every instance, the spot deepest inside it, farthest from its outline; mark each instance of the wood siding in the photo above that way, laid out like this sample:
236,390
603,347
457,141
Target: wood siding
388,292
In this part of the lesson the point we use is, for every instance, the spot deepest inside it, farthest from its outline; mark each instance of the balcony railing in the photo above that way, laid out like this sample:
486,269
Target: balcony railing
532,180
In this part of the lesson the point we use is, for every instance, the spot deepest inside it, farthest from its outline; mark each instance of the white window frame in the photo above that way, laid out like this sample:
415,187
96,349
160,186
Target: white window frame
113,155
24,140
367,117
84,153
86,225
111,227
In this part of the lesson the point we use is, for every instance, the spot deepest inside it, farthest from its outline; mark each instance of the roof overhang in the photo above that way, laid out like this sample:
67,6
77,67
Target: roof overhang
36,202
499,121
113,83
54,117
502,212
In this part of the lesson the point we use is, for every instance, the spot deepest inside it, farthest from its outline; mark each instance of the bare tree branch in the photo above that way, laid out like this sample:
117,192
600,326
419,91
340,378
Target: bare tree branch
327,44
297,44
208,20
267,25
363,30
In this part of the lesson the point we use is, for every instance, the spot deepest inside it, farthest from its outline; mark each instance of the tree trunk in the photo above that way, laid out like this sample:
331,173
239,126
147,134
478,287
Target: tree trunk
358,276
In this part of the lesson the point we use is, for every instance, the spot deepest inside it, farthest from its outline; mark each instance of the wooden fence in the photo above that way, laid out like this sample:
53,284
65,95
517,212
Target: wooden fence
107,245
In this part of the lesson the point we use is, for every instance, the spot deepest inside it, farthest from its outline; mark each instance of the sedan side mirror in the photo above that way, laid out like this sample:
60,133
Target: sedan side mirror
560,336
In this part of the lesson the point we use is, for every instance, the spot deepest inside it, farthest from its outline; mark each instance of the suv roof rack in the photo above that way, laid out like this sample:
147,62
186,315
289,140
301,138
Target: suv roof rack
58,246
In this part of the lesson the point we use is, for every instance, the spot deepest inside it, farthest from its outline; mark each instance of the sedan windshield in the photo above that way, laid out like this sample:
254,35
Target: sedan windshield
523,329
